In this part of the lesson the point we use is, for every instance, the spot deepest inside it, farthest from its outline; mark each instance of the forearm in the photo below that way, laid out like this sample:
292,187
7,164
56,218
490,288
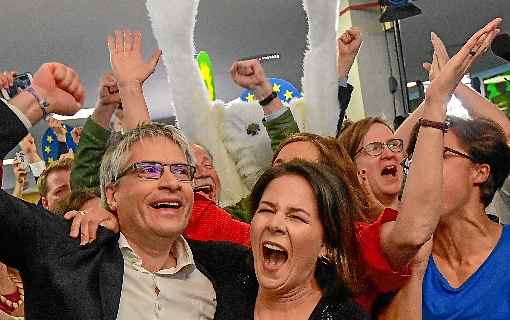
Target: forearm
18,190
480,107
344,97
421,204
133,103
87,160
280,128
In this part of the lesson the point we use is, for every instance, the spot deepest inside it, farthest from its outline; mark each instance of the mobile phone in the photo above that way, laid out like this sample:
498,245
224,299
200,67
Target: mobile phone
20,83
22,159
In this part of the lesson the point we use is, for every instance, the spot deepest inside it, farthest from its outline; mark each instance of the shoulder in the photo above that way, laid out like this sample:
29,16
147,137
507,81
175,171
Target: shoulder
218,255
330,308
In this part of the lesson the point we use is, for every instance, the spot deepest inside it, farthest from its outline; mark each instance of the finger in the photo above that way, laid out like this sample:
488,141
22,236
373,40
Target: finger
128,40
111,99
110,43
67,80
70,215
92,231
58,71
471,43
75,84
75,226
426,66
137,41
119,42
79,96
84,233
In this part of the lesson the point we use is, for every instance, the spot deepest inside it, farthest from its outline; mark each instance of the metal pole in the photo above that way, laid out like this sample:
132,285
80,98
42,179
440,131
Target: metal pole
401,67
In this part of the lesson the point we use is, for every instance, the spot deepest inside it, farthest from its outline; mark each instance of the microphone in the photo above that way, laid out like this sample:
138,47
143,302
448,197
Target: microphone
501,46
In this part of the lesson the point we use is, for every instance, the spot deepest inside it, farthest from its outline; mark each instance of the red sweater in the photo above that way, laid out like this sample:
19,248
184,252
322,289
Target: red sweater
380,276
211,223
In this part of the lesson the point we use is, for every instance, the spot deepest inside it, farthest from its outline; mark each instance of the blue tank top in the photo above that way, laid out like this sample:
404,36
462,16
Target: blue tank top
484,295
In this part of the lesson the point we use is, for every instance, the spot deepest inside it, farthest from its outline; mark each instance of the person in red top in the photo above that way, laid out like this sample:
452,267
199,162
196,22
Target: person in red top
372,272
209,222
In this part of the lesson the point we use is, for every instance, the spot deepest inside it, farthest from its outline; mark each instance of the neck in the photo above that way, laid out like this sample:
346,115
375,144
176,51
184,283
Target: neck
465,235
297,303
156,254
389,200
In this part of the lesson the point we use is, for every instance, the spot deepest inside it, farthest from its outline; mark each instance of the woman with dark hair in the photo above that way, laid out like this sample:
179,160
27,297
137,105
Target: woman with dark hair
371,273
455,167
301,232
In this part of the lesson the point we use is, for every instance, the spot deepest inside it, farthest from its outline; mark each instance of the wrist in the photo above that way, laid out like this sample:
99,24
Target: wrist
129,83
262,91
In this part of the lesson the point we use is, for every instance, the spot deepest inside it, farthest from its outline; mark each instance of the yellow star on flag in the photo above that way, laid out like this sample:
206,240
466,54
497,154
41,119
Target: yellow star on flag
47,149
288,95
49,139
276,87
250,97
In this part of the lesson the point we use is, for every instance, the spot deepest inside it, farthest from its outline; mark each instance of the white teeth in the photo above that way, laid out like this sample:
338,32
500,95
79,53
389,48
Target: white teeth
273,247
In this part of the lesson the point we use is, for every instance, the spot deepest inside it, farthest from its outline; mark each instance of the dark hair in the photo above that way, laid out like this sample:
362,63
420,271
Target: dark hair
485,141
334,155
352,134
336,213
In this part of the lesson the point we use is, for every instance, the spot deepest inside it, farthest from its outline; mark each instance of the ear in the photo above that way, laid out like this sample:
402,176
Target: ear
44,202
110,191
324,251
481,173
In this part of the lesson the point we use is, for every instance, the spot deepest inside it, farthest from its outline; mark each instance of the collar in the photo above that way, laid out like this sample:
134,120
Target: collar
181,250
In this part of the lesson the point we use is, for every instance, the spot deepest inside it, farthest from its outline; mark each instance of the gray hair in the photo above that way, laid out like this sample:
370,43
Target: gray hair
119,150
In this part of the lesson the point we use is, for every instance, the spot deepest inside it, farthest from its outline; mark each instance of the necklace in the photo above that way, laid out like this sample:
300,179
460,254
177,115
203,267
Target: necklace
19,289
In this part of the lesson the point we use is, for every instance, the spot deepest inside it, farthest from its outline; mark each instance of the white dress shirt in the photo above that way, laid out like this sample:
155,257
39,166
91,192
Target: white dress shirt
181,292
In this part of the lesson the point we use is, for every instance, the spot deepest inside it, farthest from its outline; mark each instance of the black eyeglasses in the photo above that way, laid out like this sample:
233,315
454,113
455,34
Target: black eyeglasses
151,170
406,163
460,154
375,149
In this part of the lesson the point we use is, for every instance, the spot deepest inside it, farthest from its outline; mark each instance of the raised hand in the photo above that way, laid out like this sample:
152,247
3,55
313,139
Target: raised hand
76,134
7,79
27,145
348,45
60,86
58,127
109,96
443,86
126,57
249,74
440,57
19,172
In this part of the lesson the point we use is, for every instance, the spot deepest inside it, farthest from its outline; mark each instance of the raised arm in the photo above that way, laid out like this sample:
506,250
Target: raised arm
200,119
422,201
131,70
94,138
320,84
348,45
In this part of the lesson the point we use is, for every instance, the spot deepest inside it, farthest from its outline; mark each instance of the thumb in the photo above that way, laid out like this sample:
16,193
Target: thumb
427,66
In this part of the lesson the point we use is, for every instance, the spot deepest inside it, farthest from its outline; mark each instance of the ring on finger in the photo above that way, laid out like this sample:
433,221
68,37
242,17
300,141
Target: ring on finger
472,52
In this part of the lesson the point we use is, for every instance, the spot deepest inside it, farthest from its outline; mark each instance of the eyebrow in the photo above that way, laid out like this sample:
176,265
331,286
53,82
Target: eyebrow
290,209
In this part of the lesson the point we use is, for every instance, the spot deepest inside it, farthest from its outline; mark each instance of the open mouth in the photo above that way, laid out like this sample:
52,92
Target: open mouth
204,185
390,170
274,255
166,205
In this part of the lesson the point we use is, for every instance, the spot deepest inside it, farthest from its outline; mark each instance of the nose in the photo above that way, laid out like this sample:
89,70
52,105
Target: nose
388,154
277,224
168,180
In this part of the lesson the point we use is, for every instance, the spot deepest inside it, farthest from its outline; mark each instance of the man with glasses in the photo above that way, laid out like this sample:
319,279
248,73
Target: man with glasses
148,271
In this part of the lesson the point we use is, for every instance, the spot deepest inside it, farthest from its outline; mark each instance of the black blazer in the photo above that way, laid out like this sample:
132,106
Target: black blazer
64,280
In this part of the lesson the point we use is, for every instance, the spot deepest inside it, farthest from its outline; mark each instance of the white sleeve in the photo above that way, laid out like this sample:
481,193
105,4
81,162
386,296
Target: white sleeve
173,23
19,114
320,84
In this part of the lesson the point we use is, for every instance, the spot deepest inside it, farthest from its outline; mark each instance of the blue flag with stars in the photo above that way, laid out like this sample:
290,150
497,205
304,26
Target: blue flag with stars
50,147
285,90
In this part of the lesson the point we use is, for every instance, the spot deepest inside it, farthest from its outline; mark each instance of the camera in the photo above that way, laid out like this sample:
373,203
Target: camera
20,83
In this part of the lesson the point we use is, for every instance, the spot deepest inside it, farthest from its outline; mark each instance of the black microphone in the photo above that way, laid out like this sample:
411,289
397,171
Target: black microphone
501,46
